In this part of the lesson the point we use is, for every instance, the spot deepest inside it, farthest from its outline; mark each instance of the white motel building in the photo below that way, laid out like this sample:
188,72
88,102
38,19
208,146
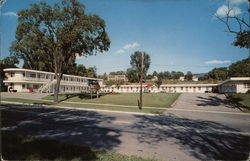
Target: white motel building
22,80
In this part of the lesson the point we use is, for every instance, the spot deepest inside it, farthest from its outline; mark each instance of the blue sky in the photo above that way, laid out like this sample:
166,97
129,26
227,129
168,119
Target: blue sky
180,35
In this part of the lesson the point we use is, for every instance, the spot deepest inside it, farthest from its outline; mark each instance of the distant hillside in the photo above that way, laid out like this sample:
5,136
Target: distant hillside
200,75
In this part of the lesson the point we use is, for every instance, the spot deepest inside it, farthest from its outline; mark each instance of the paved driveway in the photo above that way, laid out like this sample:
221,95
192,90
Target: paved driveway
205,102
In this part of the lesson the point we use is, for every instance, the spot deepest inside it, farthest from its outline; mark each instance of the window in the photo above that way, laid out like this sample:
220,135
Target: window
182,88
12,74
23,74
247,85
199,88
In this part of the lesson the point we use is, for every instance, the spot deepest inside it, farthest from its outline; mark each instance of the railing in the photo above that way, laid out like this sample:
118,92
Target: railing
42,80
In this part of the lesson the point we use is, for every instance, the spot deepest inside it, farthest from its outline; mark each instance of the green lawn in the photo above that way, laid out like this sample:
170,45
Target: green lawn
65,104
242,99
131,99
20,147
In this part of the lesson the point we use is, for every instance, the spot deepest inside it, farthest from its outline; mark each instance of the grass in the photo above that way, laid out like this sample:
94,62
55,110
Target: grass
162,100
65,104
242,99
20,147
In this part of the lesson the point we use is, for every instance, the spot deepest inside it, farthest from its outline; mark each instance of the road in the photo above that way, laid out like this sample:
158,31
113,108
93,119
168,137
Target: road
182,133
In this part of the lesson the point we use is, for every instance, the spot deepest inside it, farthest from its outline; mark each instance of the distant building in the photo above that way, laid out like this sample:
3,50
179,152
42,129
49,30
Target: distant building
117,77
155,78
182,78
194,78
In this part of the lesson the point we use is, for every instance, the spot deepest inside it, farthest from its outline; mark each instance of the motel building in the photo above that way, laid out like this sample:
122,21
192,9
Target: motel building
25,80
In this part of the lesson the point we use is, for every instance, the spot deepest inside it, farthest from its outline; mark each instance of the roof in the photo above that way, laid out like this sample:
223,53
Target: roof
171,85
44,72
235,79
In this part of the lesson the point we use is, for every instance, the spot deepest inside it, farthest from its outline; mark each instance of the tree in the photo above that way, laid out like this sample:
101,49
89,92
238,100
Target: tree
189,76
240,68
8,62
132,75
58,33
104,76
136,63
218,73
158,82
118,73
231,19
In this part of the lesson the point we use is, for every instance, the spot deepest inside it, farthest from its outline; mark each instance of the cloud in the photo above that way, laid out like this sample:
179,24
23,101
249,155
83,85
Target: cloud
131,46
10,14
217,62
120,51
224,9
237,1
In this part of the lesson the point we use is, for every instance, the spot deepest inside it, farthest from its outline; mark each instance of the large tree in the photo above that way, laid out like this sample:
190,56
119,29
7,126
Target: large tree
55,35
232,17
218,73
240,68
136,63
132,75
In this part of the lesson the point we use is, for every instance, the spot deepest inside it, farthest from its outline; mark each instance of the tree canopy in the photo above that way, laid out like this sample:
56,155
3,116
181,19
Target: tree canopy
51,37
136,63
240,69
218,73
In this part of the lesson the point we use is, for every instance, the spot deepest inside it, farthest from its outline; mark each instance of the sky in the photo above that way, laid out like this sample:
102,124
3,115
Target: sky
179,35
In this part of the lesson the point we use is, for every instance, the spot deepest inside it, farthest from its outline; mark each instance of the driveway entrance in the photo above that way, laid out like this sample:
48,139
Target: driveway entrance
205,101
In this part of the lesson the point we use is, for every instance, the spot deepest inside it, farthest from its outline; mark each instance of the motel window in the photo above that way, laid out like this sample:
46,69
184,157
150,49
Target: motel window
35,86
182,88
131,88
12,74
23,86
247,85
199,88
23,74
32,75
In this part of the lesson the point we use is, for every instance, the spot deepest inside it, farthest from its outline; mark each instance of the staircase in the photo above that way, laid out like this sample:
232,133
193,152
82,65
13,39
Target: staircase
45,87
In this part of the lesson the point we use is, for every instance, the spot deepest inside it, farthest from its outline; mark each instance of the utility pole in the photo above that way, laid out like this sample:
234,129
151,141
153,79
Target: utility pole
141,78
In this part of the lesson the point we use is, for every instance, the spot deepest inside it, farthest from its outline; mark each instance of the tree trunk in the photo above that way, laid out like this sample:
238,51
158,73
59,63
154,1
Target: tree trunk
57,87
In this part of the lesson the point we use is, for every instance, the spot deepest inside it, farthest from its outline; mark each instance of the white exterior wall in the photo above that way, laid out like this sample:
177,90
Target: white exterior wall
22,79
242,88
164,88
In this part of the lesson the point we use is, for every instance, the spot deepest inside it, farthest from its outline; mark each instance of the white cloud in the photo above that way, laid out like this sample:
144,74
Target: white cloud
120,51
131,46
9,14
223,10
217,62
237,1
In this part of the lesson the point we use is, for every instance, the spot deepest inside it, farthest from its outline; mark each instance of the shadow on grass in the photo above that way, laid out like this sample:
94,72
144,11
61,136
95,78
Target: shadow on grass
236,99
204,140
85,96
18,147
66,125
